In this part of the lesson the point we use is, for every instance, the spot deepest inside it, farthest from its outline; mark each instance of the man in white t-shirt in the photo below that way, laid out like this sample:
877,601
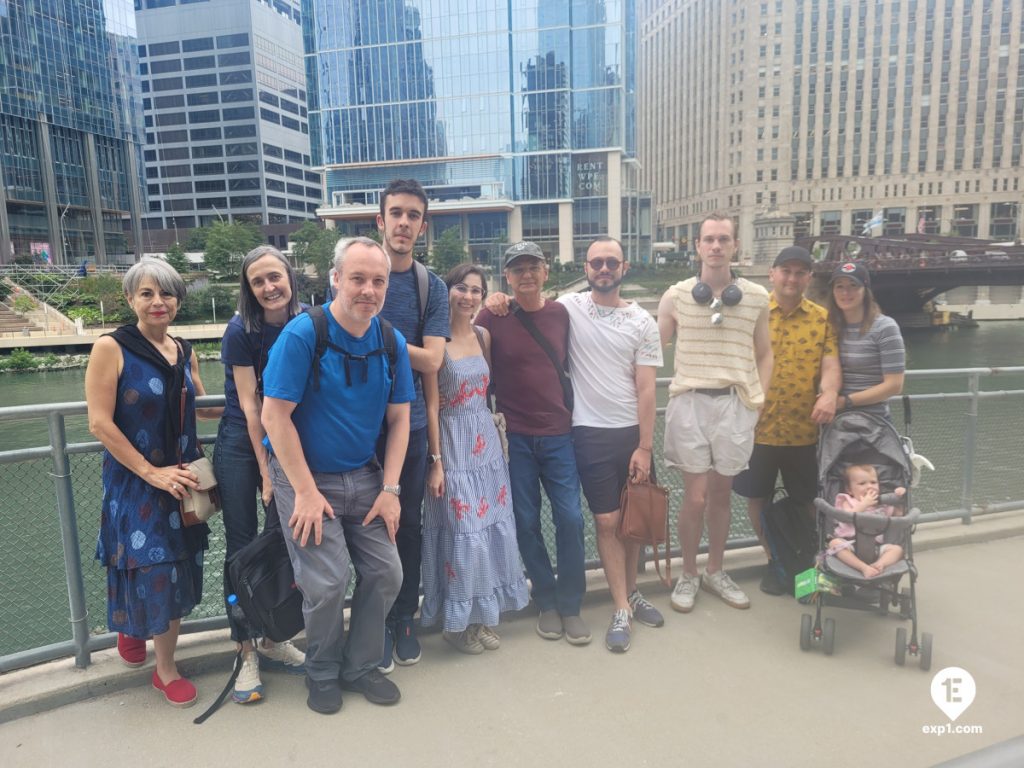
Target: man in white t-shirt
614,356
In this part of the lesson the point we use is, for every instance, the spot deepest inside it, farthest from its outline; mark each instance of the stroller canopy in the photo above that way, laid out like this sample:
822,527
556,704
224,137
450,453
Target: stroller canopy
857,437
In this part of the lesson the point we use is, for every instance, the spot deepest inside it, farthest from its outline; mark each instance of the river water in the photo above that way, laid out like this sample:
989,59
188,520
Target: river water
33,600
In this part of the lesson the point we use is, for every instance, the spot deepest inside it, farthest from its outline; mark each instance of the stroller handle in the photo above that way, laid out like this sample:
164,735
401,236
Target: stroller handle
895,523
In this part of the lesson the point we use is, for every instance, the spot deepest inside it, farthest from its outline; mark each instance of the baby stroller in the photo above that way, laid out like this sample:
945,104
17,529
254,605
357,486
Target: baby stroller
856,437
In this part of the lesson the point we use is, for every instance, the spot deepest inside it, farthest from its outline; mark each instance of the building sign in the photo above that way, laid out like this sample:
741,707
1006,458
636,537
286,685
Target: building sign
589,175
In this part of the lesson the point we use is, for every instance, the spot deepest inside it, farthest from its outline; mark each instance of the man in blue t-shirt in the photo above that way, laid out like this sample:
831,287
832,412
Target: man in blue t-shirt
341,508
402,219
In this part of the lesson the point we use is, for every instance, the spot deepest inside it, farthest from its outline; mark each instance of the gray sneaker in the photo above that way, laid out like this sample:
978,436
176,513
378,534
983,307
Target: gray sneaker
576,630
719,583
643,611
684,594
616,639
465,641
549,625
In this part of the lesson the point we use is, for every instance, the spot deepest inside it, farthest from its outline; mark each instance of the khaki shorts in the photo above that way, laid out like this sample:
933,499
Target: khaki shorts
704,432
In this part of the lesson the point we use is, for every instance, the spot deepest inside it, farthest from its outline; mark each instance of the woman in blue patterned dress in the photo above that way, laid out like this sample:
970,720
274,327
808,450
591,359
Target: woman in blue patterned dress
471,569
133,387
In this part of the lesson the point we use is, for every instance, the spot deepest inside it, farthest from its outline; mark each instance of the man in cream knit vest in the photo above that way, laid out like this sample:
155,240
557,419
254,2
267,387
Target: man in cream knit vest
723,363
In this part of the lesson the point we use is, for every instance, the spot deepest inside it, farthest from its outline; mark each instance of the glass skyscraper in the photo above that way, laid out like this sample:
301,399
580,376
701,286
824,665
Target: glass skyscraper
517,116
69,130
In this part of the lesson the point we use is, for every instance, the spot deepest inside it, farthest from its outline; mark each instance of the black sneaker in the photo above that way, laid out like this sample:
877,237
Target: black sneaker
324,696
375,687
770,583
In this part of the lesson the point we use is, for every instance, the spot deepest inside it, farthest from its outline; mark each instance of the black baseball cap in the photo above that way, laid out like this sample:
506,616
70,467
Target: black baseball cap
793,253
523,249
854,270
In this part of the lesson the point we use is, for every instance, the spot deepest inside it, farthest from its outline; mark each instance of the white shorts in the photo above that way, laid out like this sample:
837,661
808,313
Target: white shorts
704,432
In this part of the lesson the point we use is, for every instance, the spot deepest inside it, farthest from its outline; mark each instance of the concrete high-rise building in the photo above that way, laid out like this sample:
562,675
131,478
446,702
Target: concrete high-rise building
518,117
69,130
818,115
227,132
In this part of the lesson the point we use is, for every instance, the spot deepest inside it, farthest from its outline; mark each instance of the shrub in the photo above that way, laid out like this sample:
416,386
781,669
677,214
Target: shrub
21,359
88,315
24,304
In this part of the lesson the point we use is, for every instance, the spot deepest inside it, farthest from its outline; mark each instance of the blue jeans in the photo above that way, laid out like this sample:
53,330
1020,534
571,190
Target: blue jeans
549,461
410,526
238,479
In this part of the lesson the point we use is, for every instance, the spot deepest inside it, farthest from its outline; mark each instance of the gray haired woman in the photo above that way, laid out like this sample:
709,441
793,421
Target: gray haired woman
134,386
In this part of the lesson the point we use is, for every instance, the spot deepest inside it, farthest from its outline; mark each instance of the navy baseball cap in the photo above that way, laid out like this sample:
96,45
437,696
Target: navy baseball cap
854,270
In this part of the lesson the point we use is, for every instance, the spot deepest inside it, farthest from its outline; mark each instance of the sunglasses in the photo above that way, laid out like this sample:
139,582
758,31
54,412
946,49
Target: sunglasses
601,263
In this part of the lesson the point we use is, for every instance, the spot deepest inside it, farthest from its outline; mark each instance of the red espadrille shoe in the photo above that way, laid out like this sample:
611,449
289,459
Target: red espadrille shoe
179,693
132,650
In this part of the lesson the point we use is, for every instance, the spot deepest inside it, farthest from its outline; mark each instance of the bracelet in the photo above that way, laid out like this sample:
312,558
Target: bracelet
644,448
847,403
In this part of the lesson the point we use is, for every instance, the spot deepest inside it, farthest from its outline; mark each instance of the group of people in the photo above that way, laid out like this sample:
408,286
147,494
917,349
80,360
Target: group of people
378,449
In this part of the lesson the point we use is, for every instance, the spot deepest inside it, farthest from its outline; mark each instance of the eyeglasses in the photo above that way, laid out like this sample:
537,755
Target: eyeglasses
533,269
601,263
465,289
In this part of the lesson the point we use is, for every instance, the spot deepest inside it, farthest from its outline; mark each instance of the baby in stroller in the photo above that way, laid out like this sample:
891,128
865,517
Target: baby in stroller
865,538
860,497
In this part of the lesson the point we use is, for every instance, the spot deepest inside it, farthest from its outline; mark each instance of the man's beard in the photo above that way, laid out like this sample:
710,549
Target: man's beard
607,288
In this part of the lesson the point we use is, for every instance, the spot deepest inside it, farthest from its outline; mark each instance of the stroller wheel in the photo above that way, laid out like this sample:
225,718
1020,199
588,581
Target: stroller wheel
926,651
805,632
901,646
828,637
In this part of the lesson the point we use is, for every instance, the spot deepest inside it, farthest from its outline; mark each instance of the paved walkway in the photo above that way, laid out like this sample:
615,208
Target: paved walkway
717,687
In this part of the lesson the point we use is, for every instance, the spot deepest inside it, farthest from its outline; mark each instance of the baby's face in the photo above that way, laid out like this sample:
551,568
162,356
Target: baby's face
860,481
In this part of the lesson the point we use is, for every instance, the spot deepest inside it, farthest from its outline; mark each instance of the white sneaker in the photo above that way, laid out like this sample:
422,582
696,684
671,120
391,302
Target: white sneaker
488,638
719,583
248,686
283,657
684,594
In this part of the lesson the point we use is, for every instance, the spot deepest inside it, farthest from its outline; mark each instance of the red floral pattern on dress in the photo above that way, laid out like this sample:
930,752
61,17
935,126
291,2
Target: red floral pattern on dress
479,445
461,508
503,495
482,509
467,392
449,570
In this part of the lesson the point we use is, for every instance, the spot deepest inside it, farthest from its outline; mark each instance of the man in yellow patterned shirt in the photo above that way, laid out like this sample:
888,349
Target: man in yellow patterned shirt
802,395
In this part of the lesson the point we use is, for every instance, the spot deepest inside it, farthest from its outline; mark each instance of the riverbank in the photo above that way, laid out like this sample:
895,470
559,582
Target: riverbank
20,360
48,341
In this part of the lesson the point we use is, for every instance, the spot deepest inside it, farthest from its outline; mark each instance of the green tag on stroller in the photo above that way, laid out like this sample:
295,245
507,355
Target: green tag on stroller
805,583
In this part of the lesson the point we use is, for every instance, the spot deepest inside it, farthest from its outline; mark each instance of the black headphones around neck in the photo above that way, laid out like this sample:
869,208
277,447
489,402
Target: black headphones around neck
731,295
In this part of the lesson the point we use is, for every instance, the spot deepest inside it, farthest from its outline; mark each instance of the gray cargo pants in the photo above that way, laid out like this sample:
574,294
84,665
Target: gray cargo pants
322,573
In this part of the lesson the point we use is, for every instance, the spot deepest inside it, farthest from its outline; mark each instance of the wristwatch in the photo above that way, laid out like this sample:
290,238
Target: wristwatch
433,458
395,489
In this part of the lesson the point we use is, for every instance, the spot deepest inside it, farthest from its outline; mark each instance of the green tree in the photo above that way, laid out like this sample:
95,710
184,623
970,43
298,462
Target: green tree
226,244
314,245
448,251
176,258
197,239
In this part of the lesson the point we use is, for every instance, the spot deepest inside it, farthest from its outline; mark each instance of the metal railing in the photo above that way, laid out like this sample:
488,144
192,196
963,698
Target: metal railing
975,448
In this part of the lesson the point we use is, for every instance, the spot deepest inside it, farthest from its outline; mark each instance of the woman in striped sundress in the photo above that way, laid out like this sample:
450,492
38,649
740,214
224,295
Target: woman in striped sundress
471,569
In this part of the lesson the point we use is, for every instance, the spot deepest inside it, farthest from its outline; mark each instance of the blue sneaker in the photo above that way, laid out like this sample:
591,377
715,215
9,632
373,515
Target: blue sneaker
616,639
387,663
407,647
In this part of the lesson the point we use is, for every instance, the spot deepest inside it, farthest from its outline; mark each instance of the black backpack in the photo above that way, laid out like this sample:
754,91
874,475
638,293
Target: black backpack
261,579
323,343
788,527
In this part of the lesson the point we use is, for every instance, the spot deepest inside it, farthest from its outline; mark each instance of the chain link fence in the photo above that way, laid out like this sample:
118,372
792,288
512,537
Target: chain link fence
36,610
